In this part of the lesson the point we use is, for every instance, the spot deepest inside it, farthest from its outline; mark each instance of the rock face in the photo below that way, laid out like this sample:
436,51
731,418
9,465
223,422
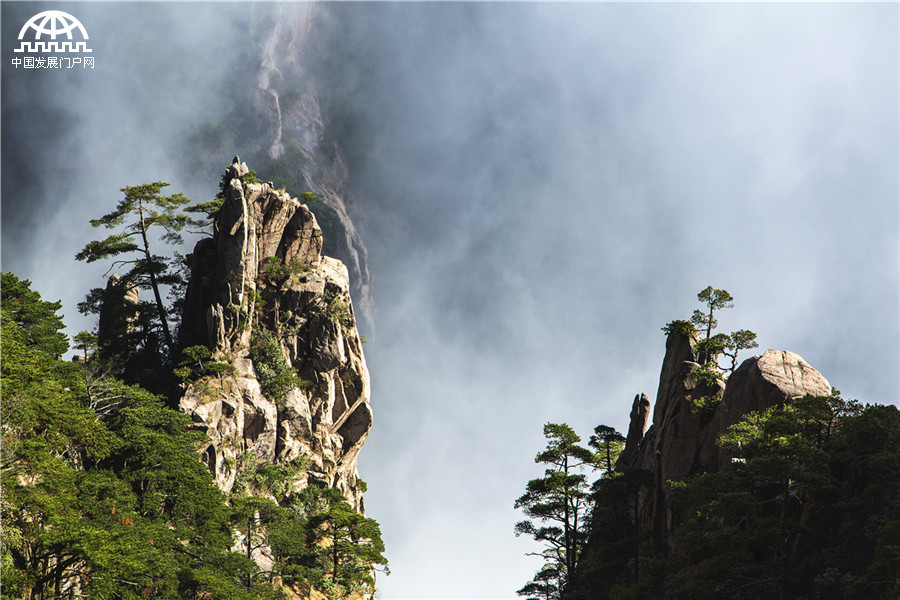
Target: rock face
682,440
757,384
117,313
640,413
264,272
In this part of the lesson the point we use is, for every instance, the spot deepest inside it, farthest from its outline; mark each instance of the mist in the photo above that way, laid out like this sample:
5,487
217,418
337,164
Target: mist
548,185
72,139
541,187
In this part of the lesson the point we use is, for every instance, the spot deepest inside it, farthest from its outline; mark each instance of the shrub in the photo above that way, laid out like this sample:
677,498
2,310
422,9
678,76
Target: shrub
680,327
337,309
706,379
275,374
297,266
196,364
275,270
340,312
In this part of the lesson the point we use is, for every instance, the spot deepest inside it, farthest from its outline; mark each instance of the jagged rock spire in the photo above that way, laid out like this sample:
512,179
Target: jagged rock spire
263,272
682,440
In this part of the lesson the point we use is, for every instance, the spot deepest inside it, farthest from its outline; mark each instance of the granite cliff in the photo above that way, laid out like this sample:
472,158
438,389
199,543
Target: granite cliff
683,441
261,283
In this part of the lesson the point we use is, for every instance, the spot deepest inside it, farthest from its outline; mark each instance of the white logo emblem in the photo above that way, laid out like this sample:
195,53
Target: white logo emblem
48,30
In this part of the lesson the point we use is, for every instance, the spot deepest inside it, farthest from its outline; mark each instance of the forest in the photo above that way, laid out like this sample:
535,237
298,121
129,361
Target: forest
105,493
803,504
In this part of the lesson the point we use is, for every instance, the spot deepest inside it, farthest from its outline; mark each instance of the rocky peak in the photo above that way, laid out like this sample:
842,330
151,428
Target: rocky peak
265,300
683,440
117,312
640,413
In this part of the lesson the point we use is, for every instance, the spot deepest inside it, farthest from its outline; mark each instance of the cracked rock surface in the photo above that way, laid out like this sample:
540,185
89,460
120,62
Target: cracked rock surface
304,303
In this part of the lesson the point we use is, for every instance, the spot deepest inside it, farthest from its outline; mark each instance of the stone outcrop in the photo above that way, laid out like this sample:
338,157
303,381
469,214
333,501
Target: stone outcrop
757,384
117,311
683,440
264,272
640,414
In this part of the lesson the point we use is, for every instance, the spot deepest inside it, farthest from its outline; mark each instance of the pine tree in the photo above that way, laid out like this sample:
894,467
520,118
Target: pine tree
344,548
714,300
141,212
558,506
104,494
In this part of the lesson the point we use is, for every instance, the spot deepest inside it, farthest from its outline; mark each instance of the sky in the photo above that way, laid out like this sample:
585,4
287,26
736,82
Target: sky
541,188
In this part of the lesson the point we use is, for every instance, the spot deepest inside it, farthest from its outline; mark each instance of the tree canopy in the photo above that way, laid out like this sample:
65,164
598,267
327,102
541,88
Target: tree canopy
104,494
558,504
142,212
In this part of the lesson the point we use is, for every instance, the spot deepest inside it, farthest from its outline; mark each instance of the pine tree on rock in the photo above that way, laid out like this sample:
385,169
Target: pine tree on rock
143,211
346,548
714,300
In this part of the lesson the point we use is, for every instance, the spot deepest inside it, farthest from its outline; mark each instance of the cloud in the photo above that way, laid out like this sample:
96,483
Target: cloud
546,186
542,187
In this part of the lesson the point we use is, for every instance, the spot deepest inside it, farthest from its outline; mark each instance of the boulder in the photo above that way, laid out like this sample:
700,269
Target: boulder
759,383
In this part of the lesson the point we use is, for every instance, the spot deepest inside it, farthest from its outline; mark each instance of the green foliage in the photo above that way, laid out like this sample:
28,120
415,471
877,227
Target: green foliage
275,270
266,478
710,347
680,327
742,339
143,210
210,209
608,444
103,490
297,266
104,494
557,506
276,376
813,487
809,507
616,562
317,539
196,363
86,342
249,178
705,394
35,318
337,309
714,300
340,312
342,547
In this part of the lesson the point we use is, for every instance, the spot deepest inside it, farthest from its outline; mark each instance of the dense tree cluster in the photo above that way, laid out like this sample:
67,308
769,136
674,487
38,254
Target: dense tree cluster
104,494
807,508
